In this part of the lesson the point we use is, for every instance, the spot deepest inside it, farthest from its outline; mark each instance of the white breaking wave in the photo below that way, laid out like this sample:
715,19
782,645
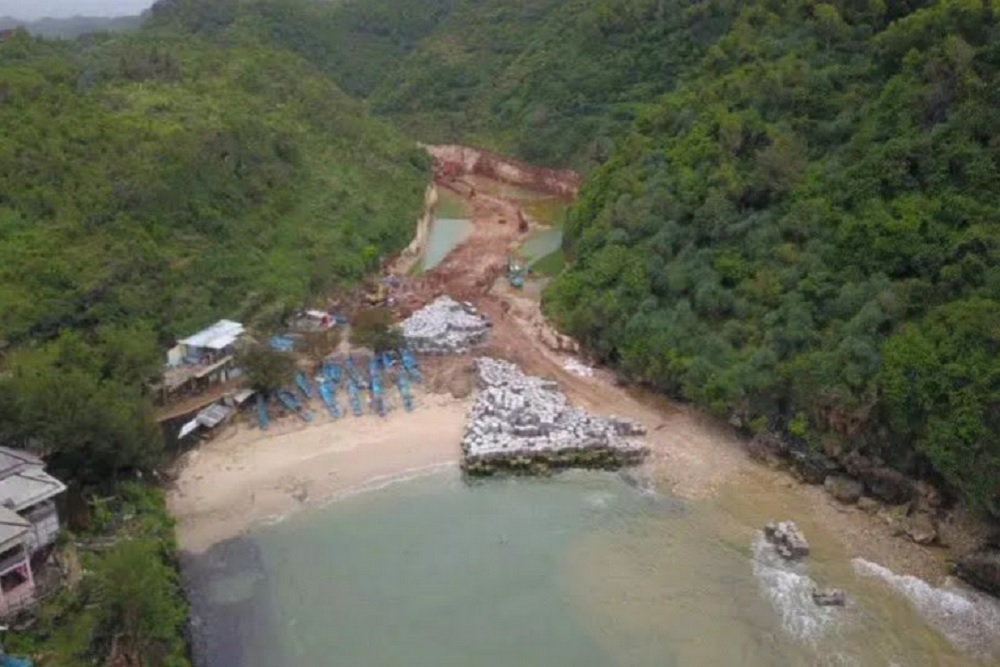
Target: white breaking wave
790,590
970,620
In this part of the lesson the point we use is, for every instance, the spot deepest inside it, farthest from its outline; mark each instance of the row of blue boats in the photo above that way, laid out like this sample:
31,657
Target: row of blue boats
399,368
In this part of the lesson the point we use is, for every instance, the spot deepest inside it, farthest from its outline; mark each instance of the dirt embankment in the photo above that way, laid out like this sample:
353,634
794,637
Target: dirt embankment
412,253
467,161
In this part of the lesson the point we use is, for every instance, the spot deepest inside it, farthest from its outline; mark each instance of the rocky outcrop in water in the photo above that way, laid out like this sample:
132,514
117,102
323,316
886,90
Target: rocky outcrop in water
829,597
525,424
787,539
981,568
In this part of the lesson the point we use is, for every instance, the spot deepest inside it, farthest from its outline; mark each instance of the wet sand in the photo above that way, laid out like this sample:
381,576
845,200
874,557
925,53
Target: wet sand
246,475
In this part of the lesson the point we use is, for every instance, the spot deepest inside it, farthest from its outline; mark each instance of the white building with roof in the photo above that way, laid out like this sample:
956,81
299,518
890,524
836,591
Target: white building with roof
203,358
29,521
216,341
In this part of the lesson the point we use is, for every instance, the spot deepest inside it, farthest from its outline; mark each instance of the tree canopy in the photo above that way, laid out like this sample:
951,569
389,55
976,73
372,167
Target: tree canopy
804,237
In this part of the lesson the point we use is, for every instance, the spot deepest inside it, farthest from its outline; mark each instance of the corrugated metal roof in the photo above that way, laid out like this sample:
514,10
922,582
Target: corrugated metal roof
28,487
242,395
14,460
220,335
213,415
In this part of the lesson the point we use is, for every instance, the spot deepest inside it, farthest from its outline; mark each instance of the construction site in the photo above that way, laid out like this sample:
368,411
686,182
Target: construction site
478,299
478,379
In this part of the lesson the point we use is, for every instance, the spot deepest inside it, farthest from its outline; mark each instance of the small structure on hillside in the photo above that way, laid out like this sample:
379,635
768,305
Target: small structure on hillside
29,522
203,359
310,321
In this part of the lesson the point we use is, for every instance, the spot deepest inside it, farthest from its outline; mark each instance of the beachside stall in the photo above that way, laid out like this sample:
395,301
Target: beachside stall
204,359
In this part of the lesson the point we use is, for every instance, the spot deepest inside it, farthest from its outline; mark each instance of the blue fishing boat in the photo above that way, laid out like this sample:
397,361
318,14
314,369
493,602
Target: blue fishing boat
291,402
282,343
410,364
262,412
303,382
404,391
332,372
378,402
329,396
353,372
354,396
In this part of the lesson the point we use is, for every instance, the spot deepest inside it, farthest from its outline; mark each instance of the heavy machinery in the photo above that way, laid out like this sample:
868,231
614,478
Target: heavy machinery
378,296
515,272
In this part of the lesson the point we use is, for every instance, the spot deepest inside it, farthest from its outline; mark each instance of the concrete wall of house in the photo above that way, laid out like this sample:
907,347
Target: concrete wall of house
17,591
45,525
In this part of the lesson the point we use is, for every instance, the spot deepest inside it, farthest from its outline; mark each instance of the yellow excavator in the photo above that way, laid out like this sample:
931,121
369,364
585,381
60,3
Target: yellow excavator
378,296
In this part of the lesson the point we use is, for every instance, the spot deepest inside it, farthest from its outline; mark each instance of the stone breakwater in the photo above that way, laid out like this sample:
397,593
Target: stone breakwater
524,424
444,326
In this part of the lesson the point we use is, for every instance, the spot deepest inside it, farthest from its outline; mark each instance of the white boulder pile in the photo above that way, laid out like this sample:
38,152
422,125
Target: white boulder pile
444,326
525,424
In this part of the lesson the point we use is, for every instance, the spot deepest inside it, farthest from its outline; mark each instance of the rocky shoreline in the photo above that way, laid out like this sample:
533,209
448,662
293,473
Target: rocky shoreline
912,508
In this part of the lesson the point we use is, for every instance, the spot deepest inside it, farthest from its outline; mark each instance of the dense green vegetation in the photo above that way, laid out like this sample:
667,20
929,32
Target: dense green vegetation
155,182
790,219
553,82
168,180
129,604
71,27
803,235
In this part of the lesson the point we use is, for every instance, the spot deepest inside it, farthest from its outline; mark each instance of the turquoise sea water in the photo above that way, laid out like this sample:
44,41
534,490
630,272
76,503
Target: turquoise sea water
581,570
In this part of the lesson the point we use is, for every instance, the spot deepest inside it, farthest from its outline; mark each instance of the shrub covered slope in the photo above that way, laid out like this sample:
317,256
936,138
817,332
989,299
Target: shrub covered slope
804,234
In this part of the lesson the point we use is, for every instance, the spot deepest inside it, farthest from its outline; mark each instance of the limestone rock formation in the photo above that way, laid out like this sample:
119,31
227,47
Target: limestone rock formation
981,568
843,488
787,539
829,597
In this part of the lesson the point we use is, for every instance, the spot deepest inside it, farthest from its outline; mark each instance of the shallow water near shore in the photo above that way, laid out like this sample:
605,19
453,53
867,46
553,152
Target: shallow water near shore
582,569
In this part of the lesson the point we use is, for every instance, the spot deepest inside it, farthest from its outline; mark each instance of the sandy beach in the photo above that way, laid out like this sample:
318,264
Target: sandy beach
246,475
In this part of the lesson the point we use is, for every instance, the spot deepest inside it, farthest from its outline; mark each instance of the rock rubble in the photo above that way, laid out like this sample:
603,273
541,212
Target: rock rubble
525,424
787,539
444,326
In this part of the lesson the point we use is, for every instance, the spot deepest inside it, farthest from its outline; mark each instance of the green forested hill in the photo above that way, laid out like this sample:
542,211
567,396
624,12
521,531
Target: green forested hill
155,182
159,178
151,183
805,235
550,81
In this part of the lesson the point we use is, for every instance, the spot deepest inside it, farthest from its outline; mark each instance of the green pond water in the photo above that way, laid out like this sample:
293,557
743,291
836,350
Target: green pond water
445,234
541,243
580,570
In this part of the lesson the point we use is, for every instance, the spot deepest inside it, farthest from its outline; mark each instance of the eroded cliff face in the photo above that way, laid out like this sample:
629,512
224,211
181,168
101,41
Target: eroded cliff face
465,160
411,254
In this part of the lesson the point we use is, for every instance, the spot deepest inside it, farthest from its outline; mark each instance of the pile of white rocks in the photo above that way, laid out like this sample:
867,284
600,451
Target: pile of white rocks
578,368
519,421
444,327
